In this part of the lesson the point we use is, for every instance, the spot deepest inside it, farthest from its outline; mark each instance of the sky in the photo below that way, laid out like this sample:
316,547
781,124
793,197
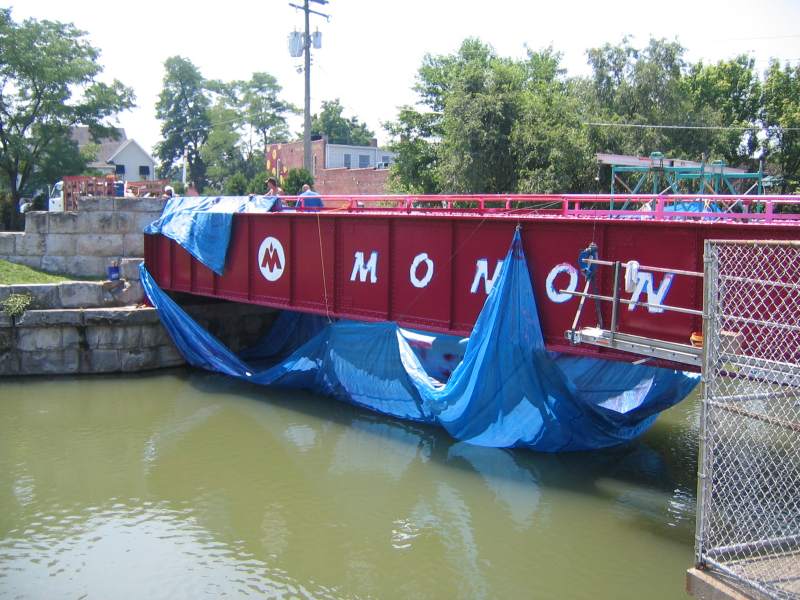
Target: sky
371,50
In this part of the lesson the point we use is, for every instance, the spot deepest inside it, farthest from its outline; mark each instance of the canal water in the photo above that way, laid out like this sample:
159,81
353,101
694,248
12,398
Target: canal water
184,484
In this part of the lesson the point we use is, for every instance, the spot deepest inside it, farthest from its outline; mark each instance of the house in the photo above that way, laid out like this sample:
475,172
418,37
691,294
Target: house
337,168
339,156
122,157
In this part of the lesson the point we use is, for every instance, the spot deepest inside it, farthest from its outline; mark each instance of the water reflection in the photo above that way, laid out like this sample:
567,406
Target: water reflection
214,487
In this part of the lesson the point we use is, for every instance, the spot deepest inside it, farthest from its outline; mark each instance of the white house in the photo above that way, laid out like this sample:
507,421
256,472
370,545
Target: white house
122,157
338,156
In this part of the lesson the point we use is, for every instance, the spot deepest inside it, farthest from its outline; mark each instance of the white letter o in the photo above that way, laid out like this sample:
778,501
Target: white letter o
552,292
412,273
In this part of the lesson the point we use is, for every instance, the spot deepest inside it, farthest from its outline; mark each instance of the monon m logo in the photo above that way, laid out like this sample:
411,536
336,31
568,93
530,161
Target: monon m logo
271,259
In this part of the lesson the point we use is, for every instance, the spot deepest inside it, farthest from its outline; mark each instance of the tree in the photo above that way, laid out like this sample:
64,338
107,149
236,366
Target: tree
60,157
48,84
262,109
732,91
236,185
415,165
550,148
781,117
295,180
481,107
656,86
183,107
220,153
257,183
491,124
338,129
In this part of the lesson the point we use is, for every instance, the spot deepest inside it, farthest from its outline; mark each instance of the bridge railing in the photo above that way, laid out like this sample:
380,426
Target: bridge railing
749,208
748,517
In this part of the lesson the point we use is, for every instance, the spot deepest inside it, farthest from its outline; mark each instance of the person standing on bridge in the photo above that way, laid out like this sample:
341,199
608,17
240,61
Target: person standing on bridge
274,191
272,187
310,198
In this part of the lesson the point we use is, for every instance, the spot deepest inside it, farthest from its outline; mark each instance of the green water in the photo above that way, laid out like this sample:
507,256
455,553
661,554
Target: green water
190,485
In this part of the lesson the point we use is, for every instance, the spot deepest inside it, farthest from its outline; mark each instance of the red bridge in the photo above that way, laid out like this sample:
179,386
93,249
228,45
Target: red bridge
428,262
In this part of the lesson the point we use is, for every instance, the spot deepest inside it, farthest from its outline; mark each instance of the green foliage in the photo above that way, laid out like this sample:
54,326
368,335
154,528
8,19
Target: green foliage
12,273
338,129
731,91
482,101
492,125
414,169
486,123
221,153
183,107
655,85
179,188
10,218
48,84
15,305
59,158
263,111
224,126
257,183
295,180
781,115
236,185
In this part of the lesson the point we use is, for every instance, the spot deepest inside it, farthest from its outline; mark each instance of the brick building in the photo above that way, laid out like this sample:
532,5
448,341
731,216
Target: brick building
337,168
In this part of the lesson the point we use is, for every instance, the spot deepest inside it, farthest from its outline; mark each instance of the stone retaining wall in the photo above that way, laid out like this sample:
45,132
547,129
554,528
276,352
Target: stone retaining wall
83,294
82,243
106,340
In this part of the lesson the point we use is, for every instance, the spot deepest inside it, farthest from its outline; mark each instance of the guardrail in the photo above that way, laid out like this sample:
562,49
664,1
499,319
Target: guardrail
730,208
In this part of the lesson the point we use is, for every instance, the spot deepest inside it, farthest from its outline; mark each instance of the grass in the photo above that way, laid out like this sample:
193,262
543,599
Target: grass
11,273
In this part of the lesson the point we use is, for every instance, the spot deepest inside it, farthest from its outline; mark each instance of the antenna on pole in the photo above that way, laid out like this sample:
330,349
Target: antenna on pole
307,42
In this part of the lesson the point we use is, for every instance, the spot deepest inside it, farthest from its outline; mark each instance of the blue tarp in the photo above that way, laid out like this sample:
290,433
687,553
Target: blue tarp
202,224
695,207
505,390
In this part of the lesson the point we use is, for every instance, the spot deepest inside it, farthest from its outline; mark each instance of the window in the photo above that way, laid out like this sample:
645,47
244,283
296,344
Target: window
385,159
119,169
144,170
347,161
363,161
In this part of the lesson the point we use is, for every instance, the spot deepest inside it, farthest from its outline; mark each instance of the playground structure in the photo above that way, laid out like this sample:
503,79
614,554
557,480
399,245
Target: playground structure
660,176
74,187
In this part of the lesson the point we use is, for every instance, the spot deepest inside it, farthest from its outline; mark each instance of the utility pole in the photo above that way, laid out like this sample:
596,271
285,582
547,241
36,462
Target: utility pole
308,161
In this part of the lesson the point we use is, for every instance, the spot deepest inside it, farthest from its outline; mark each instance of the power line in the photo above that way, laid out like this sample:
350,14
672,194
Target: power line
761,37
707,127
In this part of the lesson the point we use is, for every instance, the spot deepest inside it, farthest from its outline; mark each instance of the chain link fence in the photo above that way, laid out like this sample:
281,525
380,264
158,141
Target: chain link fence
748,522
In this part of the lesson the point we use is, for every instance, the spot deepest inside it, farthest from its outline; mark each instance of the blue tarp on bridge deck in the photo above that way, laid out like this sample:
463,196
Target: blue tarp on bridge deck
505,389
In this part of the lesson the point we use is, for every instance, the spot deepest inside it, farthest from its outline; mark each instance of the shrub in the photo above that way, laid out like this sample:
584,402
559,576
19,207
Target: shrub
15,305
295,180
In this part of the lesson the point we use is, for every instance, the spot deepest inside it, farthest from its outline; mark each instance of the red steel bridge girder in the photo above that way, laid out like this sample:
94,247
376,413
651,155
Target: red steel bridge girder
432,271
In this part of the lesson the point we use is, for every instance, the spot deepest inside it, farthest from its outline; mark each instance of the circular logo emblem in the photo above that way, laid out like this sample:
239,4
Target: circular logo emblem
271,259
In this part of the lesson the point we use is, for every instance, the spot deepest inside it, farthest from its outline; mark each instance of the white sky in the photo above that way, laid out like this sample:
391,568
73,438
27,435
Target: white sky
371,50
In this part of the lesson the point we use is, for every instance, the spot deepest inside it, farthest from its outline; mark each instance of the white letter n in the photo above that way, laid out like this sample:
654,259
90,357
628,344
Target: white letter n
482,271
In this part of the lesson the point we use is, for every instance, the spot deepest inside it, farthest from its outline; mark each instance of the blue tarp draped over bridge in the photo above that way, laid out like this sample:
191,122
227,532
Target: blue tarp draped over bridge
202,225
505,388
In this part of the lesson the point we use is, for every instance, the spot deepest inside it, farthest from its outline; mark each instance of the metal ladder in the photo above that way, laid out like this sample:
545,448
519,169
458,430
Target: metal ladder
615,339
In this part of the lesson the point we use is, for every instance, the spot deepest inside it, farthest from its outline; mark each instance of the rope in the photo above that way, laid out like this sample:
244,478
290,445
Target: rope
322,261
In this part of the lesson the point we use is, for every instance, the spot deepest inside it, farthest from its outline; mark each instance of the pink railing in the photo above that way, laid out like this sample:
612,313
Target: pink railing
643,206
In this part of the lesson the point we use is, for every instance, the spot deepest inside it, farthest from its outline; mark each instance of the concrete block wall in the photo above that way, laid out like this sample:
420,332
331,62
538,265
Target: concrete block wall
85,242
117,339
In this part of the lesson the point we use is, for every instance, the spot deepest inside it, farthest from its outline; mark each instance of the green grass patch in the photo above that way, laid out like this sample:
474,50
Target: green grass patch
11,273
